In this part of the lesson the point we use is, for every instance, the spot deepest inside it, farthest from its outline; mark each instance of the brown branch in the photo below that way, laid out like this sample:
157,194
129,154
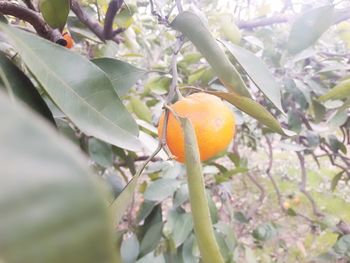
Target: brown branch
302,186
262,196
93,25
268,172
30,4
33,18
343,14
112,11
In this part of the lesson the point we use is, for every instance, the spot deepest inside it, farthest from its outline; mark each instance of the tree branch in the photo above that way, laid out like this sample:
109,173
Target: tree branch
93,25
112,10
33,18
30,4
343,14
303,185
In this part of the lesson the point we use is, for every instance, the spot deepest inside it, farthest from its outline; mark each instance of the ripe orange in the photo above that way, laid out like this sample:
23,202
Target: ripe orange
213,122
69,39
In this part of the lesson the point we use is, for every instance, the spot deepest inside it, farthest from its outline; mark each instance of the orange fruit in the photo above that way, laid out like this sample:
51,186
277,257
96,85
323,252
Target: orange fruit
286,205
69,40
212,120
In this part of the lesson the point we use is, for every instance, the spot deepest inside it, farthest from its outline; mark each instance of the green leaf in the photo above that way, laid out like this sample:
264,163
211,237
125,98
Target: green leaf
258,72
140,109
194,29
152,258
336,180
180,225
20,87
340,91
101,152
52,209
120,204
252,108
55,12
78,87
188,250
161,189
122,74
151,239
203,226
309,27
130,249
342,247
265,232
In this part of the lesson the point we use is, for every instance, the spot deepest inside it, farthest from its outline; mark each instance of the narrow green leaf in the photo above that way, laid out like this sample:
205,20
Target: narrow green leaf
20,87
253,109
101,152
336,180
258,72
193,28
309,27
161,189
140,109
52,209
78,87
151,239
130,249
340,91
122,74
203,226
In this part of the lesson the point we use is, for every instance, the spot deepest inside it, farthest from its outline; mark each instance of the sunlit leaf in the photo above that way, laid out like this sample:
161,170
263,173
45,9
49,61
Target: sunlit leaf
122,74
78,87
21,88
49,200
195,30
258,71
309,27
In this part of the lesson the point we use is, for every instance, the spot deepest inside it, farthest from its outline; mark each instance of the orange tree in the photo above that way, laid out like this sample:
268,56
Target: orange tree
84,177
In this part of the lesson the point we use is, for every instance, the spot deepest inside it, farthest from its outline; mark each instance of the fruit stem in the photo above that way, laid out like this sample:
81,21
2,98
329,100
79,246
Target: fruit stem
203,226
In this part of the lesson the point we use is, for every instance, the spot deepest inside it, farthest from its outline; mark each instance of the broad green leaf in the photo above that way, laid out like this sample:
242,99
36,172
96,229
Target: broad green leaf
161,189
340,91
140,109
252,108
52,209
129,249
55,12
78,87
194,29
258,72
20,87
180,225
122,74
101,152
309,27
203,226
180,196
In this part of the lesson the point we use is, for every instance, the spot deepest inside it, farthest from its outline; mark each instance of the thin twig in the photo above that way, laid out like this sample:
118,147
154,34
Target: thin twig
302,186
255,208
93,25
30,5
268,172
179,6
112,11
